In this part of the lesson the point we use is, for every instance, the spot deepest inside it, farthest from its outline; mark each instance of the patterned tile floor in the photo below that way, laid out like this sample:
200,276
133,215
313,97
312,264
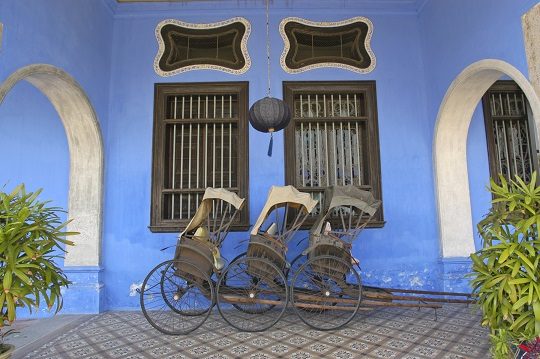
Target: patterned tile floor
381,333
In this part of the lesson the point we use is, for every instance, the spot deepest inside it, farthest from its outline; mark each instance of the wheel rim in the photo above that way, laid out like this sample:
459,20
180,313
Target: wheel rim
254,295
295,266
176,297
245,308
323,296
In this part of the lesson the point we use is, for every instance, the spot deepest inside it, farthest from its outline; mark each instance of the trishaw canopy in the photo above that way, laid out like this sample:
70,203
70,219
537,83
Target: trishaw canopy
346,196
205,207
281,196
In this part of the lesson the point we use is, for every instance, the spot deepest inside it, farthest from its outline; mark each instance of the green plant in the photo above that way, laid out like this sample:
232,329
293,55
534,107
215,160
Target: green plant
3,335
506,274
31,238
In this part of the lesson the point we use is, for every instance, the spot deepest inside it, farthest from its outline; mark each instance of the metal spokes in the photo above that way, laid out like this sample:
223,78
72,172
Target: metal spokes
326,292
252,294
176,297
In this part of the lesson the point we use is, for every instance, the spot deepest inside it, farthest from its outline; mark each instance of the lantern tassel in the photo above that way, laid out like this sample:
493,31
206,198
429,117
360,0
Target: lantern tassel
270,145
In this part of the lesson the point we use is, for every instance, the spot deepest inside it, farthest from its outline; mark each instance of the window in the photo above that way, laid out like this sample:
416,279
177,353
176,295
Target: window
333,138
509,140
200,140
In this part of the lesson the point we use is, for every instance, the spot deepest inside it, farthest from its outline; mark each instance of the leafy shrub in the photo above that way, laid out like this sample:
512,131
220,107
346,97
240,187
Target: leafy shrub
31,238
506,273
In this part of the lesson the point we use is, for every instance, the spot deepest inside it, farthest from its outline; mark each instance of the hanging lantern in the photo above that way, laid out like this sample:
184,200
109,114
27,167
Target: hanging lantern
269,114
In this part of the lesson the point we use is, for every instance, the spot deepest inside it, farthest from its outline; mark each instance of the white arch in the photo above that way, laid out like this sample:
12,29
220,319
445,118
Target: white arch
450,149
86,155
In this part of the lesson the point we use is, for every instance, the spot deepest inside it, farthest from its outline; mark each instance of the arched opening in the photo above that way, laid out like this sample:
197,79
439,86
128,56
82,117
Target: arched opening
85,151
450,149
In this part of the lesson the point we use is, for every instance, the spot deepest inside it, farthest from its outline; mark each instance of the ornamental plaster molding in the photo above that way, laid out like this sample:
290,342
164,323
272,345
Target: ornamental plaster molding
213,25
327,24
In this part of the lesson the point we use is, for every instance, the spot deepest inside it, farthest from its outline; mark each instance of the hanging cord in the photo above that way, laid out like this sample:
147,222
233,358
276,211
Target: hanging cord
268,45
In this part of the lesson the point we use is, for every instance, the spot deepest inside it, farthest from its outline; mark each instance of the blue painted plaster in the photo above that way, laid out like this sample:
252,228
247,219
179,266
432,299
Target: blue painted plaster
109,49
86,292
74,35
454,35
454,275
409,236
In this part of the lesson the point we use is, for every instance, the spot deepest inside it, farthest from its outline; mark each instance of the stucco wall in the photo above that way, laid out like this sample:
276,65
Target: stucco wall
74,36
111,56
404,252
456,34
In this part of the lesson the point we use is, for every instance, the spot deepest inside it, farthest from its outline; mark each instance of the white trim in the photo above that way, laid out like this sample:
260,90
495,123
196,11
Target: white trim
287,47
86,155
450,149
213,25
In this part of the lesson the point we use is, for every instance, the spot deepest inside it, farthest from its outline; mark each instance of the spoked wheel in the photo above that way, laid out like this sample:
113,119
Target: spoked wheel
252,294
296,263
326,292
177,297
242,307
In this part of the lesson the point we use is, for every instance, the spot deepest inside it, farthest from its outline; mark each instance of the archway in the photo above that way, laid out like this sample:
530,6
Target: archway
450,149
85,151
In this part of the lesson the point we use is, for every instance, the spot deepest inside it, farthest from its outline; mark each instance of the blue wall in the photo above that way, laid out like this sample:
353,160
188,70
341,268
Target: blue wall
74,35
408,242
111,56
456,34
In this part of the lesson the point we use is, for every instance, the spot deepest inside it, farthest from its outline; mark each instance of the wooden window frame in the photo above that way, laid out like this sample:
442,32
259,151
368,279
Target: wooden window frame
291,88
161,92
503,86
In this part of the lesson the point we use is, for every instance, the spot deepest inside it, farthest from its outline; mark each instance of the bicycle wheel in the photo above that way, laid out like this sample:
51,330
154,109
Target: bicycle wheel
326,292
254,295
176,297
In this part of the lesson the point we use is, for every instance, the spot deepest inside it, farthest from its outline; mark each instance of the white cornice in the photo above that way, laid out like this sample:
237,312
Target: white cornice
158,7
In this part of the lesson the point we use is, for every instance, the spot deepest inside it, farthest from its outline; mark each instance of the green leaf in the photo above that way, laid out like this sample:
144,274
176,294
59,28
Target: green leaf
515,269
536,309
494,281
520,281
8,278
504,255
520,303
525,259
22,277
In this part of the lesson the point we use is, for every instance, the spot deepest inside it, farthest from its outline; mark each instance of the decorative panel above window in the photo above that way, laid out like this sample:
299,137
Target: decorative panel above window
510,143
333,138
217,46
200,141
342,44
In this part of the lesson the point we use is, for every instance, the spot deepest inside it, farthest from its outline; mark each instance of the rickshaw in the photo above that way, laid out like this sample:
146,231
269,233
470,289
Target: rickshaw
177,296
252,293
326,290
325,284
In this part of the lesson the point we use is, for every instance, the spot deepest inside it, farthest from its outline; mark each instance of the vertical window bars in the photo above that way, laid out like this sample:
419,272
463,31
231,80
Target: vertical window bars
333,138
204,139
507,128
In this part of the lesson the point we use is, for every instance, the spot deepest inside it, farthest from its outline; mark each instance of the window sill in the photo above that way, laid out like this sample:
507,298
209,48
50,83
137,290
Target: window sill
177,228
